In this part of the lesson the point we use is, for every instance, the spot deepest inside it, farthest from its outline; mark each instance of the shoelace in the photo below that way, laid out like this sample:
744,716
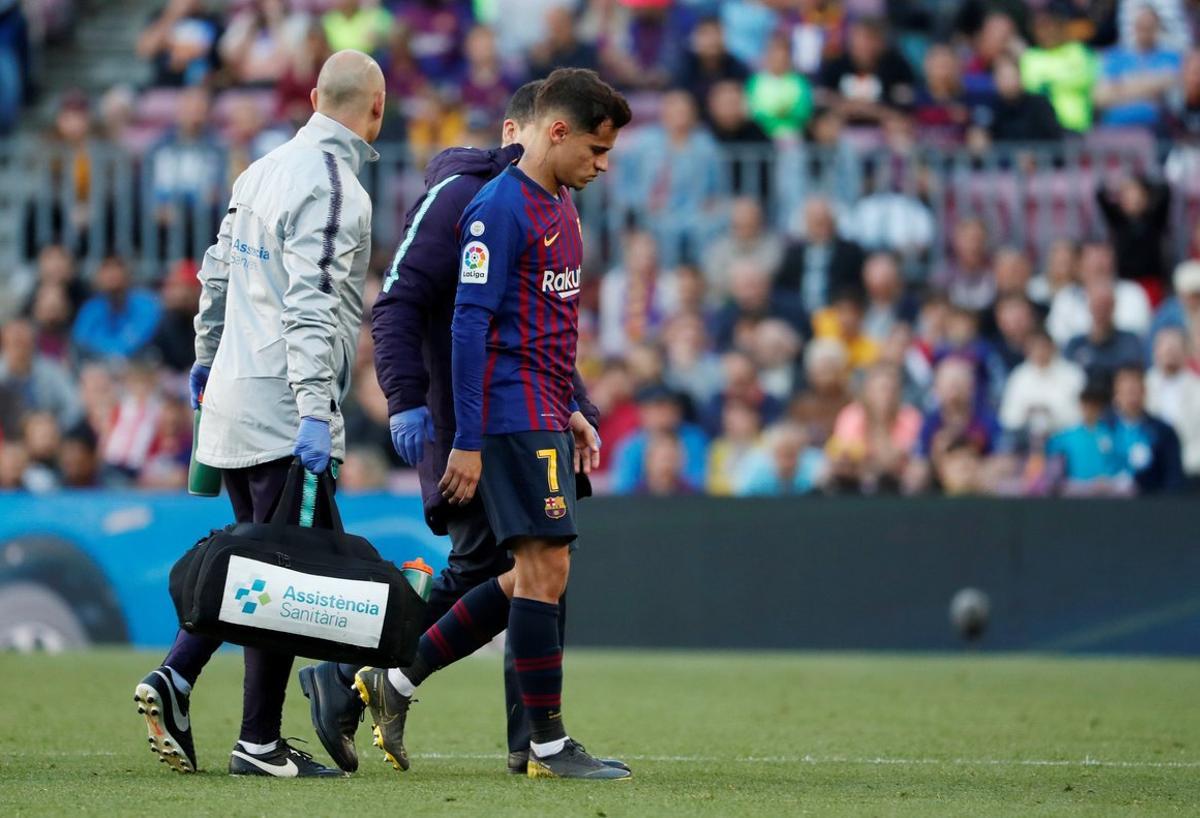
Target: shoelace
287,745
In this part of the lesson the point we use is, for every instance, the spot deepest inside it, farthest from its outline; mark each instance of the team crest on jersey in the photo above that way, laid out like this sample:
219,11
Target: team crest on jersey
565,284
556,507
474,264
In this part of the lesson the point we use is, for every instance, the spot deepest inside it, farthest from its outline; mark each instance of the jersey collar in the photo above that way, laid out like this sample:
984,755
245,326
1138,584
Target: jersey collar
524,177
330,135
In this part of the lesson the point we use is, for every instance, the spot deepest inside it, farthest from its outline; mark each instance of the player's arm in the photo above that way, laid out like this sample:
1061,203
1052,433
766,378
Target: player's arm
485,262
317,262
585,425
214,283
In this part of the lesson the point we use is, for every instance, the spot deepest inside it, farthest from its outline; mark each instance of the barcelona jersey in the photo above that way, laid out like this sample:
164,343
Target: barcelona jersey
521,255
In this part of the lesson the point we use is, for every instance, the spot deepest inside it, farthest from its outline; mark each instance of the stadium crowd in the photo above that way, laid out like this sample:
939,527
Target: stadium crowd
732,349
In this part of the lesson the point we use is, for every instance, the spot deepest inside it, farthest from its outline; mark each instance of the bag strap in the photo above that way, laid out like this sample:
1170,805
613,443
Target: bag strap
287,508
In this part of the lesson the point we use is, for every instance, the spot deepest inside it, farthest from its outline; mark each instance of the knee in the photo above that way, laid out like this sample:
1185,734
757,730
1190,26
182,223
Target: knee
541,572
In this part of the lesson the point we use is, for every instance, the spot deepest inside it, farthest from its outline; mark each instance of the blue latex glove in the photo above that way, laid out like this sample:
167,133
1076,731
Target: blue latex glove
313,444
410,429
197,380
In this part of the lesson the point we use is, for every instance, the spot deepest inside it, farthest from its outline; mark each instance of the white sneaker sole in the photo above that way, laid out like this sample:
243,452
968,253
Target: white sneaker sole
162,743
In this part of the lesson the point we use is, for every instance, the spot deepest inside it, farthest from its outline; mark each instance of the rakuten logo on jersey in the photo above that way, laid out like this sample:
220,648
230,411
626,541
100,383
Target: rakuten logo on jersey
565,284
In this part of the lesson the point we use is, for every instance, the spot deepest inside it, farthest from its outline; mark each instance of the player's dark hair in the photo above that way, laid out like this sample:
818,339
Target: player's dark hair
521,107
585,99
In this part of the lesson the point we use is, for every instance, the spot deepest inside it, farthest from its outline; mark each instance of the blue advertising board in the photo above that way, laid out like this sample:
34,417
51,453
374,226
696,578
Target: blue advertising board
100,551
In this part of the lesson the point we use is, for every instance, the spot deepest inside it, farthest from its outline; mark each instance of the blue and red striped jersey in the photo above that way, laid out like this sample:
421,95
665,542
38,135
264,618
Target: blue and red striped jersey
522,252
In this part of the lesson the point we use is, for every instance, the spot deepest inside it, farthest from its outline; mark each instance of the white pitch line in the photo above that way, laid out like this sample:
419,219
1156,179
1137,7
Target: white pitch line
873,761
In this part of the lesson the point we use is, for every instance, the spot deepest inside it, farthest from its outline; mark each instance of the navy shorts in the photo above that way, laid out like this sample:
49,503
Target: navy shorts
528,485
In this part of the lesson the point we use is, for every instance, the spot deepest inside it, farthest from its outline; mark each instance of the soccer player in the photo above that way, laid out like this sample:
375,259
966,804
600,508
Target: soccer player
514,331
411,329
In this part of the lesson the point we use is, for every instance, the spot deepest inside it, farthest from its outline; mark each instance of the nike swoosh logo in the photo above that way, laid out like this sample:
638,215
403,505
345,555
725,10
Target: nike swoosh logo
181,721
548,240
286,770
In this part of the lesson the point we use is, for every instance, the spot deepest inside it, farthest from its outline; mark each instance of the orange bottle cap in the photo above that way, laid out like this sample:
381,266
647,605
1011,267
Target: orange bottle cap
419,565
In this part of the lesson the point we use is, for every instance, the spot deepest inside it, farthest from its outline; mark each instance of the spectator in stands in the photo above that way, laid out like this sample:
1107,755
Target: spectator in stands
52,317
77,464
872,437
741,384
1104,349
670,174
842,321
941,109
962,340
887,219
185,172
14,460
521,24
247,139
38,383
741,427
116,112
693,370
174,340
823,263
747,145
660,413
133,427
120,319
775,348
635,300
56,267
646,46
996,40
181,42
1146,446
1013,272
561,48
1173,394
1185,103
663,469
365,470
786,464
485,86
98,393
166,464
750,301
254,48
1070,314
1044,384
781,100
612,392
1139,219
1015,322
1134,82
827,375
966,277
1173,19
1060,69
42,439
817,29
747,238
1183,309
887,302
958,417
871,84
300,76
15,83
1014,115
707,62
1059,270
438,29
356,24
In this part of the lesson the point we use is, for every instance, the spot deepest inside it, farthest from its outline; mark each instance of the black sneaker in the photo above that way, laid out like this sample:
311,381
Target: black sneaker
388,711
518,762
336,710
285,761
572,761
165,708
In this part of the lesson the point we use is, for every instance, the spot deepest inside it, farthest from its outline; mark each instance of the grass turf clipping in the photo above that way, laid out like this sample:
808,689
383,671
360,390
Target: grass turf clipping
718,734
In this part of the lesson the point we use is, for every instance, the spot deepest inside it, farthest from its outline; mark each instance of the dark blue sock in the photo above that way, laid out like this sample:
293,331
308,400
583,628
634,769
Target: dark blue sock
537,657
470,624
189,654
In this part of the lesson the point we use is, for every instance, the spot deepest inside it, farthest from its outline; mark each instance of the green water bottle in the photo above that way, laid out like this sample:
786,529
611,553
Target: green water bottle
419,575
203,481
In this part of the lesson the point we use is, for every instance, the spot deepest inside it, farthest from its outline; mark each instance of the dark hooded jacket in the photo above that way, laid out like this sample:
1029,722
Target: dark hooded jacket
410,323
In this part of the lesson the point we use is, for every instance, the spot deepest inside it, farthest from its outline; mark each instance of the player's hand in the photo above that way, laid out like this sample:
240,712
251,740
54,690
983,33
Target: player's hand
461,477
587,444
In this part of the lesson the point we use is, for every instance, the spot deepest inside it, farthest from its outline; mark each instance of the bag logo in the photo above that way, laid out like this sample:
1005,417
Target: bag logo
258,586
556,507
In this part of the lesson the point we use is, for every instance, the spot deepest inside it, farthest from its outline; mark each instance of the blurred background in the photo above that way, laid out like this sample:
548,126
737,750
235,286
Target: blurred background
905,249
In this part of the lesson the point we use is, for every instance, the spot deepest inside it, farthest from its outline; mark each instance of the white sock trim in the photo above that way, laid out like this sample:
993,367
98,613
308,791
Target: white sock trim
258,749
549,748
399,681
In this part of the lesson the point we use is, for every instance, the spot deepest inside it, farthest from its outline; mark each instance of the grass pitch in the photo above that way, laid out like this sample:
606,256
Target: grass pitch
707,734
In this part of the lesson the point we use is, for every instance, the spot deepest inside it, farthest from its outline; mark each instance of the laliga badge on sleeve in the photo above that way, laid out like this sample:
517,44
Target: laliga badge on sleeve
474,264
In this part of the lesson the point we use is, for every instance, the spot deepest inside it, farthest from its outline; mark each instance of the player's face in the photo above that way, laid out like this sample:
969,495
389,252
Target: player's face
581,156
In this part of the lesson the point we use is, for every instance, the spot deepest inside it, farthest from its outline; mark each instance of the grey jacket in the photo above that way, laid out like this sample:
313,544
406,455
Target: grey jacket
281,301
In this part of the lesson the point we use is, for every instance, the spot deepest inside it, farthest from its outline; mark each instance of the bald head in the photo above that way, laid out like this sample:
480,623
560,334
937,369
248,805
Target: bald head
350,89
